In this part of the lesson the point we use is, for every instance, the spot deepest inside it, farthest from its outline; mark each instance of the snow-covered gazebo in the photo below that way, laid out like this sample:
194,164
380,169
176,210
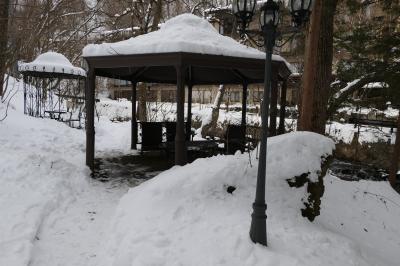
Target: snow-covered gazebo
53,88
51,64
186,50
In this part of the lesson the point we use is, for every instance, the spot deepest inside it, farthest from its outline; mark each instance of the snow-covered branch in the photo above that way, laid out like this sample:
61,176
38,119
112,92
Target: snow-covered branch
344,90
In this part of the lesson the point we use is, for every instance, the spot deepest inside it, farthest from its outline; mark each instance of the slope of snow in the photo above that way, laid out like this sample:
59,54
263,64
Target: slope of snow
52,62
183,33
51,212
366,212
40,167
185,216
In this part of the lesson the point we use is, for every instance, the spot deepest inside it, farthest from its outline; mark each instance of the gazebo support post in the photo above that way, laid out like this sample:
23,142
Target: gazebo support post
25,84
90,134
282,110
244,104
180,142
134,131
274,106
189,113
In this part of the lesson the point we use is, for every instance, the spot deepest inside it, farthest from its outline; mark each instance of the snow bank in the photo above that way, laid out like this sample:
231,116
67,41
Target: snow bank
366,212
51,212
183,33
40,169
185,216
36,179
52,62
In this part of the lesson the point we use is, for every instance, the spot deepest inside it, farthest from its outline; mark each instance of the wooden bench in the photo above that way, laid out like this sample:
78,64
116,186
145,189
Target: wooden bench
52,114
371,122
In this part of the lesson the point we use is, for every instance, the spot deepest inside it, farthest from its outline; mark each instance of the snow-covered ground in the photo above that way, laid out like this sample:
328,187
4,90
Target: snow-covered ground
121,110
368,134
53,213
185,216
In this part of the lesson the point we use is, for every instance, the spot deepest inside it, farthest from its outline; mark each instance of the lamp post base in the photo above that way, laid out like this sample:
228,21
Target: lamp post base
258,229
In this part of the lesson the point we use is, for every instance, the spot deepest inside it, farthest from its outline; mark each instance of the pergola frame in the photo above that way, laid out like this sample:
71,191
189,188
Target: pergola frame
38,78
180,68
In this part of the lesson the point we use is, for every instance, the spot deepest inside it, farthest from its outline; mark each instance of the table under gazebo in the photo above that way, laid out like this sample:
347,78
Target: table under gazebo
186,51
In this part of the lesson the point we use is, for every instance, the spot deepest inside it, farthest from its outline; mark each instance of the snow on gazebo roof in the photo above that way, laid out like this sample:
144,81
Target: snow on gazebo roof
52,62
184,33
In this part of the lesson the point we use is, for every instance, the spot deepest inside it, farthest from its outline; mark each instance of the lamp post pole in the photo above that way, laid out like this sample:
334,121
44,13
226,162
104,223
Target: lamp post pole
244,11
258,229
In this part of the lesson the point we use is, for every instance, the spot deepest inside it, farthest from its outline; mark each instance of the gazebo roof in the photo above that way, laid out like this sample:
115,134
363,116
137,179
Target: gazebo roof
188,41
51,64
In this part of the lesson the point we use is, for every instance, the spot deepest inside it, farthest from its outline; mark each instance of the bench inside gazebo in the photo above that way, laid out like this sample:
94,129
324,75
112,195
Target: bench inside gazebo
186,51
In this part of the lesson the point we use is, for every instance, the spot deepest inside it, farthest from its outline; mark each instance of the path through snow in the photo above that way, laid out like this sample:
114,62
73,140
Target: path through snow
52,212
75,232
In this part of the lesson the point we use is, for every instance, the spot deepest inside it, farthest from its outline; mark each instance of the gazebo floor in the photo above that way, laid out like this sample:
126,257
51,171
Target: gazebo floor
130,169
133,169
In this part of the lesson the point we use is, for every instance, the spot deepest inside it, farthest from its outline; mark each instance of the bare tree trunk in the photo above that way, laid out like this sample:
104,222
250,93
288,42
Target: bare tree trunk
4,7
318,68
208,127
395,157
142,102
158,8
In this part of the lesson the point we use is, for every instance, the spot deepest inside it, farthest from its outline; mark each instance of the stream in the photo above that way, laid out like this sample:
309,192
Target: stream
354,171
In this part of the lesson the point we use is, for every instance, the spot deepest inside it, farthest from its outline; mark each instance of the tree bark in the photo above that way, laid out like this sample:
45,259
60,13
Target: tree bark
395,157
158,8
4,7
208,127
142,102
318,68
336,101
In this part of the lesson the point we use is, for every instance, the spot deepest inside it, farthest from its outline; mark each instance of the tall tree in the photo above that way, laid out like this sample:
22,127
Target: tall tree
369,39
4,8
317,74
39,26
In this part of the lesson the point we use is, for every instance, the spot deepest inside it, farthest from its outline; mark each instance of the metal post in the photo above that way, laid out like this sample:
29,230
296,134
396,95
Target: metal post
25,84
274,105
244,104
258,229
90,133
189,113
282,110
133,120
180,142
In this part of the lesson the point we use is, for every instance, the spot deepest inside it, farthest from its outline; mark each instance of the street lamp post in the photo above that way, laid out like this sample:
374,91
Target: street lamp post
269,19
